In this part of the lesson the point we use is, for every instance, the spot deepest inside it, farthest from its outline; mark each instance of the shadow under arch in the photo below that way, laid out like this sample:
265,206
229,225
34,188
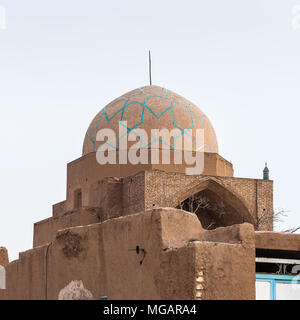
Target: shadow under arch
214,204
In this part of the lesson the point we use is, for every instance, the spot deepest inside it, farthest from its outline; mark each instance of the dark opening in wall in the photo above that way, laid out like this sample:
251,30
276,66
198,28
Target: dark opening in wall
274,268
77,199
283,267
283,254
212,211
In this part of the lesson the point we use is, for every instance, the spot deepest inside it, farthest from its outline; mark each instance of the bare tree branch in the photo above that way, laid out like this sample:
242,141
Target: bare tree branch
198,202
276,217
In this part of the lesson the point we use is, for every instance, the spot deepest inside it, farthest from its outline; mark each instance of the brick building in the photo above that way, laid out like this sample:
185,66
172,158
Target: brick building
149,230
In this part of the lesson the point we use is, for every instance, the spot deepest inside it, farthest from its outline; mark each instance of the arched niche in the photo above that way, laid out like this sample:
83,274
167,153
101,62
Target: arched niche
214,205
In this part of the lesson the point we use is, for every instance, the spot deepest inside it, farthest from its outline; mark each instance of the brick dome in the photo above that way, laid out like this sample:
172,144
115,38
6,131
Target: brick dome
152,107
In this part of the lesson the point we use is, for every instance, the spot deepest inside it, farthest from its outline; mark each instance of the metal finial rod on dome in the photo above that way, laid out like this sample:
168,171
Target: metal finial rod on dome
150,76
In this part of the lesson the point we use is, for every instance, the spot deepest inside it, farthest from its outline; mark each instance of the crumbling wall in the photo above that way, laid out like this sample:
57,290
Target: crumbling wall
26,277
225,264
45,230
278,241
3,256
159,254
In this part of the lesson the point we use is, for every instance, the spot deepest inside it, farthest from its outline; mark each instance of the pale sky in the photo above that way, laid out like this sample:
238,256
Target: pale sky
63,61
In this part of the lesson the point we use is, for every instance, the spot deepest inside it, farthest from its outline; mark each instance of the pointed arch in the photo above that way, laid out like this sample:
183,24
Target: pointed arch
223,206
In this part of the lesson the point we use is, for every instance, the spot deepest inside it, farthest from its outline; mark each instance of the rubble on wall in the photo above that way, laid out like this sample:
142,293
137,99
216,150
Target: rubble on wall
75,290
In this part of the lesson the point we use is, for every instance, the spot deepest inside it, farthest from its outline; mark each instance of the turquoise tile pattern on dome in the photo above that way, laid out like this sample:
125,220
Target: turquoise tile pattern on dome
146,102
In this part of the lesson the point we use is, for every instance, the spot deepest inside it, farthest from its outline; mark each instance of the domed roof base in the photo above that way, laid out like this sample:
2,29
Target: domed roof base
83,172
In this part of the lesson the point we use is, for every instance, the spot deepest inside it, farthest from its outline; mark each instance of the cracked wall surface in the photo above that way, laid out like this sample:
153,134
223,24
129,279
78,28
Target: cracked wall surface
174,251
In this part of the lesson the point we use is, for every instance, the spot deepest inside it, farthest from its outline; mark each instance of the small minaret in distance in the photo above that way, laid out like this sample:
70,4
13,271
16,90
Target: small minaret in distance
266,172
